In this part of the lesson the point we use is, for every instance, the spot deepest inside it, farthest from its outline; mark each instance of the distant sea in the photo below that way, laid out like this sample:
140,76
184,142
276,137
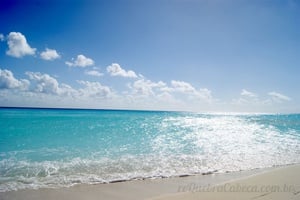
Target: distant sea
47,148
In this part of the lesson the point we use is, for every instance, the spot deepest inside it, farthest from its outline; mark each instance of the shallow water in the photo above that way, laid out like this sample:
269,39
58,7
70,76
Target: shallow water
56,148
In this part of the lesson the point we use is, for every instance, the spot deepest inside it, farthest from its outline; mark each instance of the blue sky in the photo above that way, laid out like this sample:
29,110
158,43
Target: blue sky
198,55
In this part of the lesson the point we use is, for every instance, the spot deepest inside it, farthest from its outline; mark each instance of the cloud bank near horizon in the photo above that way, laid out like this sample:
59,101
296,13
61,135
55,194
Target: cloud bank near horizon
42,89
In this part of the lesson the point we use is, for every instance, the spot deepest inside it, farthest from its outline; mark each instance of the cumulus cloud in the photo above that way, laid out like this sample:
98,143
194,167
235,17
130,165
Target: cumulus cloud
251,102
2,38
67,90
93,73
44,83
187,88
248,94
178,93
183,86
8,81
18,46
279,97
116,70
205,94
80,61
94,89
146,87
49,54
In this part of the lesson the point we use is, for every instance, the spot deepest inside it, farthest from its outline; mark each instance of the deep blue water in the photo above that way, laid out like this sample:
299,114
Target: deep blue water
57,147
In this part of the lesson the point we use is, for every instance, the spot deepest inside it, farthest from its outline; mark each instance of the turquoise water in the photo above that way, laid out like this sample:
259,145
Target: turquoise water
44,148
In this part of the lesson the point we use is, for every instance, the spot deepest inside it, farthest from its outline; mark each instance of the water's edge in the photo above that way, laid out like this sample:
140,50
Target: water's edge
42,148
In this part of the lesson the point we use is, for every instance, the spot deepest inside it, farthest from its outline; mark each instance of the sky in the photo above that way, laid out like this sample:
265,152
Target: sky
187,55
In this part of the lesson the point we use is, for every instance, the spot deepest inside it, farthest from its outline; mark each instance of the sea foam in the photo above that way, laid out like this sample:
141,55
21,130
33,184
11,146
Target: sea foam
61,148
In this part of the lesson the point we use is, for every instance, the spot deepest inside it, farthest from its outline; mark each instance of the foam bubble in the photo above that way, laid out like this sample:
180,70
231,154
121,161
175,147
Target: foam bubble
164,147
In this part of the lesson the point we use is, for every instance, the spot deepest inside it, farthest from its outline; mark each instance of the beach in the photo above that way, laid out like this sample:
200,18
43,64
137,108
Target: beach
149,100
272,183
113,154
280,183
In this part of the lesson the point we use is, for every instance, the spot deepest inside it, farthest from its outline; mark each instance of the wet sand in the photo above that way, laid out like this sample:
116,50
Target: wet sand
272,183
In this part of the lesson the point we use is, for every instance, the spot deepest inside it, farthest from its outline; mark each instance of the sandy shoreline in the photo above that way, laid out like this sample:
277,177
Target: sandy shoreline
273,183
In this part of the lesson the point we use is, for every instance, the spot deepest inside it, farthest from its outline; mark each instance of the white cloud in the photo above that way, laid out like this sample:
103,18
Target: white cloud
205,94
66,90
93,73
116,70
49,54
248,94
45,90
180,95
8,81
44,83
146,87
182,86
95,89
248,98
187,88
81,61
18,46
279,97
250,102
46,86
2,38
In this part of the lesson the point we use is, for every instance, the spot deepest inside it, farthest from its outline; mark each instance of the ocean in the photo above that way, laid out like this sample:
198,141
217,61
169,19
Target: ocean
50,148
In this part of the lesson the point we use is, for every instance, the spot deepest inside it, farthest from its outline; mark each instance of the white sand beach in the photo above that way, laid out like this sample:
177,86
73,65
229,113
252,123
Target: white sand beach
273,183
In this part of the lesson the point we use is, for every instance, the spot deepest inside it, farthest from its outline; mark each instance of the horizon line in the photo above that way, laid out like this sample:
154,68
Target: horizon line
144,110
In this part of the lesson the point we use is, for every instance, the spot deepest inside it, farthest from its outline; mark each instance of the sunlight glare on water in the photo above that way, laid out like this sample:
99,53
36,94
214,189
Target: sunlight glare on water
59,148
